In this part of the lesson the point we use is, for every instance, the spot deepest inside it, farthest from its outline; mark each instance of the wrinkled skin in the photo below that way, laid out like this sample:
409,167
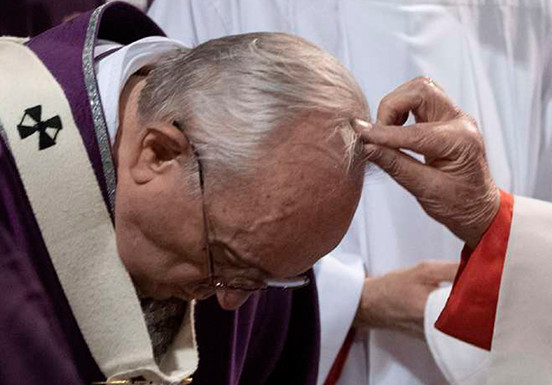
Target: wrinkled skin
276,222
397,299
454,185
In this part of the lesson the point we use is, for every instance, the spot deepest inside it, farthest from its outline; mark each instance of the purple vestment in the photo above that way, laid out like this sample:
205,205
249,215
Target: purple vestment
272,339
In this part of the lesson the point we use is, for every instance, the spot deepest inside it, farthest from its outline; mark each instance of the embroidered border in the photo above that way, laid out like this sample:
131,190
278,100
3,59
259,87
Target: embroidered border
17,40
4,136
100,126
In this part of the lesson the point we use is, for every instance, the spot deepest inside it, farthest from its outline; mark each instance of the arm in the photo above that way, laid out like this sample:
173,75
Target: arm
394,301
471,308
350,300
498,298
454,187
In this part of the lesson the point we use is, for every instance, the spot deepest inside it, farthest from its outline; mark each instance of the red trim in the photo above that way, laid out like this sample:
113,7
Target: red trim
339,363
471,308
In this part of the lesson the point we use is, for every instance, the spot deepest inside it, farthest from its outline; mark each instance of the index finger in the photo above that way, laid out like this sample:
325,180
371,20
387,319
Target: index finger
421,96
433,140
418,178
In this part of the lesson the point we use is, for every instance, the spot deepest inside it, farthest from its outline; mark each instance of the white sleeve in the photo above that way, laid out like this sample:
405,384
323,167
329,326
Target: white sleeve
522,336
460,363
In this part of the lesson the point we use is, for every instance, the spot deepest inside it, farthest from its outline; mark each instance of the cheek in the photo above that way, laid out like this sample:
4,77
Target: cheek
175,222
166,214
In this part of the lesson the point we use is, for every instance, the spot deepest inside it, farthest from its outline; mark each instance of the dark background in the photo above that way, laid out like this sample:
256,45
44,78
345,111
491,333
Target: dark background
31,17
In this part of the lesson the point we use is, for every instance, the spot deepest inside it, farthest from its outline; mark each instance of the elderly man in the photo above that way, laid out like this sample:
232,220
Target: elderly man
501,298
137,172
496,73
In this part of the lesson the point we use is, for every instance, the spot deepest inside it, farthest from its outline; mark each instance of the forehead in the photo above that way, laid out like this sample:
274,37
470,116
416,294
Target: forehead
293,211
291,233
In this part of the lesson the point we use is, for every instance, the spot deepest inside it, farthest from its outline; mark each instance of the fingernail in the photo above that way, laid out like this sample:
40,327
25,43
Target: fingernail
366,126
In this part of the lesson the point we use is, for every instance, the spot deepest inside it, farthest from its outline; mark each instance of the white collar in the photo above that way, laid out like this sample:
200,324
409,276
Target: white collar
114,70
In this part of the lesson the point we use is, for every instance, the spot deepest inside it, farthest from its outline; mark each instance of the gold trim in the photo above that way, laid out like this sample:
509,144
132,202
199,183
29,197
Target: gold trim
186,381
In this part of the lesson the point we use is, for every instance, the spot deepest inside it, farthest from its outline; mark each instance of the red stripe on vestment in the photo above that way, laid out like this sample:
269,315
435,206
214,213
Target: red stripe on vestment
339,363
470,312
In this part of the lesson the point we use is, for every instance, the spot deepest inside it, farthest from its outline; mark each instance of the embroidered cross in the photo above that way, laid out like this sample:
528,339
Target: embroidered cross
32,122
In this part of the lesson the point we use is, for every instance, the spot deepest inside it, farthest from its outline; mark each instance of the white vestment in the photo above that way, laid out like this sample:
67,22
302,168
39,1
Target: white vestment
115,64
506,280
522,335
491,58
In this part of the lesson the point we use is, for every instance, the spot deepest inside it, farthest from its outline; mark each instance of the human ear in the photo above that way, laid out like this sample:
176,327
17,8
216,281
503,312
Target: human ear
160,150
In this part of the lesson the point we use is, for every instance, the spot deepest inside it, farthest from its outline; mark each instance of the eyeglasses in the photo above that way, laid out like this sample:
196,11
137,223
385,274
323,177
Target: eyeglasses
238,283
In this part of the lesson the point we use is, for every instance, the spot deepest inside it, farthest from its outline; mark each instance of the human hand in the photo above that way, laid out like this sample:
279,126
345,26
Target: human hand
454,185
397,299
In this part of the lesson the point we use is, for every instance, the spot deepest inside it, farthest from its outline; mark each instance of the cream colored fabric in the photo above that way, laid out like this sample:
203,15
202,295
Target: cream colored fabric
522,340
461,363
77,229
15,39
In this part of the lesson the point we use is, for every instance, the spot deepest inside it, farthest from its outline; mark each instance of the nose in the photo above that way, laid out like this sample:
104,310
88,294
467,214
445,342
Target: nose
232,299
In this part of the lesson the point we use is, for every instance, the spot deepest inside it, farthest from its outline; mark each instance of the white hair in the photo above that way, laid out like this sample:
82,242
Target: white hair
230,94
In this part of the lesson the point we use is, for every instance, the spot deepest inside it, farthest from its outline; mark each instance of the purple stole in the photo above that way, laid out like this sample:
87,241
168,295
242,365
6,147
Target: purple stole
272,339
